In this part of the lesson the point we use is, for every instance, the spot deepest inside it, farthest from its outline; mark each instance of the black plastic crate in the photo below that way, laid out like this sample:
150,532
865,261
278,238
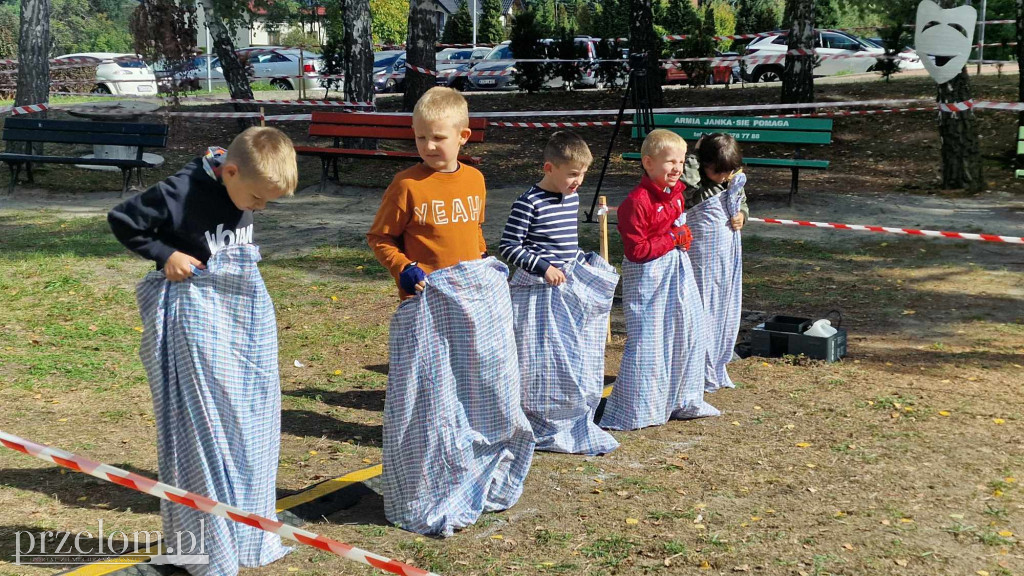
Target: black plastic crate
773,344
791,324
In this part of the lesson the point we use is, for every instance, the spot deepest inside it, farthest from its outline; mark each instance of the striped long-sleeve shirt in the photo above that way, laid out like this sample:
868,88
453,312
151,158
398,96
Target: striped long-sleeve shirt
542,231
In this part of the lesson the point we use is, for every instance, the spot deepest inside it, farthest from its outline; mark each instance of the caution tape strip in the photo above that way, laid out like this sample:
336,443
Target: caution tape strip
891,230
203,504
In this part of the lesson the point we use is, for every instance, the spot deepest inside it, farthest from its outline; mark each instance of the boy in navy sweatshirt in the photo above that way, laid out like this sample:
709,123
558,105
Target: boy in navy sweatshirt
210,340
180,222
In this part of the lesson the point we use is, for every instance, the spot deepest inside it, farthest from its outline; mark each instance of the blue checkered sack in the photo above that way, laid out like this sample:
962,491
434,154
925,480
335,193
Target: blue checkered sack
456,441
717,256
209,346
662,372
560,334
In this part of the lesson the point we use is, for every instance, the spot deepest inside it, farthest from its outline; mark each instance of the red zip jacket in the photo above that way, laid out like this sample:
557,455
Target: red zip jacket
646,217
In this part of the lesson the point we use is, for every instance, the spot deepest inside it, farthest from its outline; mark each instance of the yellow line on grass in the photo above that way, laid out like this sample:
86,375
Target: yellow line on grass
104,567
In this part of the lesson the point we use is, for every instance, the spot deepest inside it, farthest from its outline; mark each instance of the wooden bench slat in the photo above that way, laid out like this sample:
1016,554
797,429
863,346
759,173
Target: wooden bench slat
773,137
359,153
363,131
34,159
741,123
82,126
399,120
85,138
768,162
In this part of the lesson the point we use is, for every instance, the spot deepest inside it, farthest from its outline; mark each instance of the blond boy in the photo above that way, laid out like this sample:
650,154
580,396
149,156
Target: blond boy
456,441
431,214
661,376
209,344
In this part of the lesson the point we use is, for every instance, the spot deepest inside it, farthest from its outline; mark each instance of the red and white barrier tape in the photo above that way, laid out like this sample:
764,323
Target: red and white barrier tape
203,504
956,106
841,113
215,114
296,102
557,124
29,109
890,230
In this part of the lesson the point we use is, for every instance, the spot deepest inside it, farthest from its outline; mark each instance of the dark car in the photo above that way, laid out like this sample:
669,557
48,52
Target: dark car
389,71
495,72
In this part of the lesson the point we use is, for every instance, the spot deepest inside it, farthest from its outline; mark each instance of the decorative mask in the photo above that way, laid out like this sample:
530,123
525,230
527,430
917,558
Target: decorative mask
943,38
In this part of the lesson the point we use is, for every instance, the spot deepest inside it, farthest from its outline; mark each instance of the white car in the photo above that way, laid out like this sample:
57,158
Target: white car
859,55
120,74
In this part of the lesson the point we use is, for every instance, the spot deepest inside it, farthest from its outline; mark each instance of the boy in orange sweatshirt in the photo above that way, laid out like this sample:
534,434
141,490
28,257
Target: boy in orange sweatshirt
456,440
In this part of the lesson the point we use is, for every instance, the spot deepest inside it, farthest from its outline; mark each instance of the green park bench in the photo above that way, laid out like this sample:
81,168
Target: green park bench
796,131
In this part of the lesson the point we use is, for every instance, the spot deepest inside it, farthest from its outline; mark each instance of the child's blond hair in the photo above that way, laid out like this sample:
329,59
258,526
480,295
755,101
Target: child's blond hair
659,140
565,147
442,104
265,155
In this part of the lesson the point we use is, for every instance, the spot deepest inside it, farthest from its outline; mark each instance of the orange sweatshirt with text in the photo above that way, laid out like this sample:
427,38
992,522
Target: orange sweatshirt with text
432,218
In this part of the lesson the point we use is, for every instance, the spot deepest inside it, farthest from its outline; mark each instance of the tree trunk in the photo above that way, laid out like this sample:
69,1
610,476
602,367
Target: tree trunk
33,61
961,152
643,40
798,77
358,60
1020,58
420,51
234,72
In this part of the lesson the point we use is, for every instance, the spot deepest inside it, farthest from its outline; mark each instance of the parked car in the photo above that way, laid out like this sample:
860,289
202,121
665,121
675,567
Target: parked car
908,58
500,67
281,67
826,43
452,60
389,71
188,76
588,67
119,73
723,74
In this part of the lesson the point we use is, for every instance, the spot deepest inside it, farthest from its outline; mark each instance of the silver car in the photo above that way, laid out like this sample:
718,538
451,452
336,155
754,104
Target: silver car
281,67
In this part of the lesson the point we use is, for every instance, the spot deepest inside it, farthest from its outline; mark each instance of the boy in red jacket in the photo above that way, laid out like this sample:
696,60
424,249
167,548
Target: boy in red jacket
662,371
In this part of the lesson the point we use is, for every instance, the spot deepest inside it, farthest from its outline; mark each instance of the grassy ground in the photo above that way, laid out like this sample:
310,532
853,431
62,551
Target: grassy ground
903,459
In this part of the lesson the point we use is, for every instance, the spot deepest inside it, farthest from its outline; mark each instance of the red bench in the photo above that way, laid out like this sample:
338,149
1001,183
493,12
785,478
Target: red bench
340,125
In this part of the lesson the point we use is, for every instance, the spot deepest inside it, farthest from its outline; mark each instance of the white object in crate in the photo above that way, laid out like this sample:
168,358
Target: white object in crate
821,328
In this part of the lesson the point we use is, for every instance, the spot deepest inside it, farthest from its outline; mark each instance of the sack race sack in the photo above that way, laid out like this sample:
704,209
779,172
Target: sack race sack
456,441
560,335
662,372
717,257
209,346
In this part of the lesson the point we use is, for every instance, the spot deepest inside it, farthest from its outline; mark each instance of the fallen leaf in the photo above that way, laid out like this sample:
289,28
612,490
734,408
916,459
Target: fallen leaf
755,518
997,493
704,565
632,521
943,413
497,537
758,408
313,452
62,420
909,312
1006,534
337,372
622,493
848,546
901,562
809,465
906,520
596,491
83,498
367,461
1009,479
802,444
999,421
293,569
735,423
885,522
982,573
699,527
137,328
741,568
334,298
93,328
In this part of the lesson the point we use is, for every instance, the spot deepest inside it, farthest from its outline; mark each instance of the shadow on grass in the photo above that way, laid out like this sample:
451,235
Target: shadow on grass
304,423
41,234
81,491
372,400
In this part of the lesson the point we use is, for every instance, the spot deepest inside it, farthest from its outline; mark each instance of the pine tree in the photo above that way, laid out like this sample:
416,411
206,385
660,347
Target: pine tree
459,28
679,17
758,16
490,29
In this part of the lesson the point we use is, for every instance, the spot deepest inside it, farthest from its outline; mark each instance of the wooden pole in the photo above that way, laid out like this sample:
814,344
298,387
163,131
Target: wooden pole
263,118
602,220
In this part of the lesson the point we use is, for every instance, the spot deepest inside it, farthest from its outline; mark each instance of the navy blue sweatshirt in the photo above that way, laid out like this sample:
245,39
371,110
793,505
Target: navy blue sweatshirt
541,231
189,212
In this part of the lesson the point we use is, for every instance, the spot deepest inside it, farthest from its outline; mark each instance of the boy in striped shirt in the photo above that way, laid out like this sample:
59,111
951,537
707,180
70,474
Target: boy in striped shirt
541,233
